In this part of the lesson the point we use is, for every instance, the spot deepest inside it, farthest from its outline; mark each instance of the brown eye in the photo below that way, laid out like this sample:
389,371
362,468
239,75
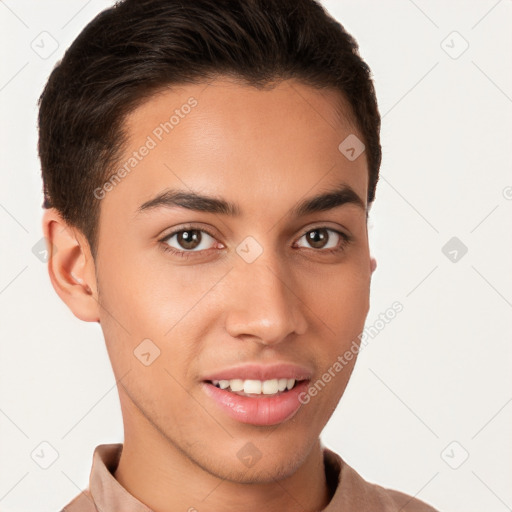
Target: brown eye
189,240
322,238
317,238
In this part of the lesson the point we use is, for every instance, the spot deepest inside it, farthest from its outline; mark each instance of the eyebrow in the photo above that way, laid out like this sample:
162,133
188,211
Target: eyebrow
172,198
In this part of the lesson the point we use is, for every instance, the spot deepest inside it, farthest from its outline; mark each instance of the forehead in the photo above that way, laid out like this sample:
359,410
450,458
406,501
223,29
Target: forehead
253,146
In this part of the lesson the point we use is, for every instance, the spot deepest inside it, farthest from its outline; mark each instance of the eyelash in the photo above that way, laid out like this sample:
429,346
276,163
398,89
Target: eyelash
345,240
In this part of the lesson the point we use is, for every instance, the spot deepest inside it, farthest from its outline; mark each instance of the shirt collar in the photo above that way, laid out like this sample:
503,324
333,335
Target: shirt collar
108,494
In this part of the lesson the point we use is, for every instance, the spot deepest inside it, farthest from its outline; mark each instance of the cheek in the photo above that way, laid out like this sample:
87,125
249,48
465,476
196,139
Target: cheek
342,304
145,297
152,315
341,299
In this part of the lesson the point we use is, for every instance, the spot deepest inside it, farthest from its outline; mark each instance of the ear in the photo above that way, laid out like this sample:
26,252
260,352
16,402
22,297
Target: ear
373,264
71,266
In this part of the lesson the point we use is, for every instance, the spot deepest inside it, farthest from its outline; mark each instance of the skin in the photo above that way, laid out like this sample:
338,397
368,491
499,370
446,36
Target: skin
265,150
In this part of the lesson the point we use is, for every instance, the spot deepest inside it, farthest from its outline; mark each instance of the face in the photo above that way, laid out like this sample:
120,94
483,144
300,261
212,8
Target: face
195,290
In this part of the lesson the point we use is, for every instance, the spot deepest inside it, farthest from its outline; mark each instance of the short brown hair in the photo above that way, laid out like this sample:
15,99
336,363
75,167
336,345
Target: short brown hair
131,50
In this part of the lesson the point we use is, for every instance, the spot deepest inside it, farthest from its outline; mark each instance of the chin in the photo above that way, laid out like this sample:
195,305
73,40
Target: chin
263,471
254,462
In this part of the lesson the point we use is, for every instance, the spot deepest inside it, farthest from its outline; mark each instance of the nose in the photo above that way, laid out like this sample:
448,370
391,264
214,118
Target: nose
264,303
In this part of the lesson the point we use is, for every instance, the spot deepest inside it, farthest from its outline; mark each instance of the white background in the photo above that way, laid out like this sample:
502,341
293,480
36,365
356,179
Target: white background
438,373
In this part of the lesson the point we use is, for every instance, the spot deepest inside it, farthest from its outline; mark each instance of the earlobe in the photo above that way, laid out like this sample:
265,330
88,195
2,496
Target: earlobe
71,266
373,264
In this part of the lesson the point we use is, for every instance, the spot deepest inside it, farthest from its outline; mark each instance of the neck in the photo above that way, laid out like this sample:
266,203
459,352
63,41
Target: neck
160,475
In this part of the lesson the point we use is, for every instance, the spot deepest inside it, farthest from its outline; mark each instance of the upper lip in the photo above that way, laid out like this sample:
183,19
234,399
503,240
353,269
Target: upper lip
255,371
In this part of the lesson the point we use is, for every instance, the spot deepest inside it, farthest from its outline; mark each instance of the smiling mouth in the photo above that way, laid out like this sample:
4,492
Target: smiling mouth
256,388
257,402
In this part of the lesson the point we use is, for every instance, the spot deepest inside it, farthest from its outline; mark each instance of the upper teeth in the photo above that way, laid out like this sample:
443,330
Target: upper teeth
267,387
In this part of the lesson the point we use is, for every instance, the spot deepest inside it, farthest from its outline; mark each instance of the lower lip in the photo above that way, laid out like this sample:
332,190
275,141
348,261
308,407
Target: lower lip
259,410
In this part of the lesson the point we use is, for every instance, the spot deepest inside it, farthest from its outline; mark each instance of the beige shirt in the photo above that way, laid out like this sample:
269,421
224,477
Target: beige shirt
351,492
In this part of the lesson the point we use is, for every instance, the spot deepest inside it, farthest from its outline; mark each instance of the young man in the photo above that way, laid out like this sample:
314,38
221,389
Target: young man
208,170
